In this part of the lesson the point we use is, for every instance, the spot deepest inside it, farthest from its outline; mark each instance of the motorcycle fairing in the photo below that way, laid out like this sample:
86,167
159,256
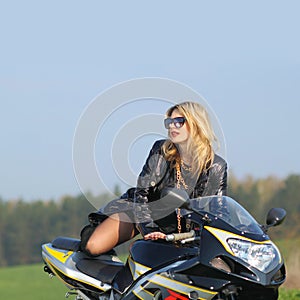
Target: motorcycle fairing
250,272
61,256
63,264
223,237
152,283
156,253
136,268
105,271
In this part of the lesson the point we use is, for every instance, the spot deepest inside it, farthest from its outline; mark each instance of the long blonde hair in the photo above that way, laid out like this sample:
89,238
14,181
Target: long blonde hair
201,139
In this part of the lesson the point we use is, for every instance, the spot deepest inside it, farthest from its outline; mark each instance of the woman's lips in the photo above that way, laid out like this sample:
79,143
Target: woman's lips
174,134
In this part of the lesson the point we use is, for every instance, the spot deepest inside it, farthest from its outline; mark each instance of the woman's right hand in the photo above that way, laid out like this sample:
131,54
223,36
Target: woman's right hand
155,236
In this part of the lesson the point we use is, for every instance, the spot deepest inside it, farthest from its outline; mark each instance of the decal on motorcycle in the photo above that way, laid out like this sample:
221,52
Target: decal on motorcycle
175,296
58,261
142,293
137,269
59,274
67,278
157,281
62,256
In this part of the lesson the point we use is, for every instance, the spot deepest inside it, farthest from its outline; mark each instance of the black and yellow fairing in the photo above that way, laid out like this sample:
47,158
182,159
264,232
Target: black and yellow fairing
190,270
151,264
63,264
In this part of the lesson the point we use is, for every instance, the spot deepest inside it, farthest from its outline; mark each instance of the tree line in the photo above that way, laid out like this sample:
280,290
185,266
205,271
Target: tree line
25,226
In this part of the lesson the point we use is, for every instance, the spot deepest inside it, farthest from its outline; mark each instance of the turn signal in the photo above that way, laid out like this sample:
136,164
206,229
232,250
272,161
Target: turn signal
220,264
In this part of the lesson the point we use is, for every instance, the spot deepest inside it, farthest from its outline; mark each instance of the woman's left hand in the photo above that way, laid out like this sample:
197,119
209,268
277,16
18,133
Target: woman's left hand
155,236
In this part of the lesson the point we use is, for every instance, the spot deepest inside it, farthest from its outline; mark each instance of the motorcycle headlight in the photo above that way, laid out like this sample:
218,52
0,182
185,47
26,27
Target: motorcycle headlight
263,257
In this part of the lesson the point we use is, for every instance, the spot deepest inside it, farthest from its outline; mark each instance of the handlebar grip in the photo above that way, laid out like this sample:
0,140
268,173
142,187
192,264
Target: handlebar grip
180,236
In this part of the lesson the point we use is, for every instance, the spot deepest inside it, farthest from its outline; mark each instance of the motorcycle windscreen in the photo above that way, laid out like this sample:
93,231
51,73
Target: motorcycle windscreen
228,210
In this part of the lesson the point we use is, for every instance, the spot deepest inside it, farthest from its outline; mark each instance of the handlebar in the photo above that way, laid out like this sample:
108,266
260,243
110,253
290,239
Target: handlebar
180,236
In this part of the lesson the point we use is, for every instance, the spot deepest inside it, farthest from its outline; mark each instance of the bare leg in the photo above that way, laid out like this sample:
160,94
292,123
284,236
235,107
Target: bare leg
111,232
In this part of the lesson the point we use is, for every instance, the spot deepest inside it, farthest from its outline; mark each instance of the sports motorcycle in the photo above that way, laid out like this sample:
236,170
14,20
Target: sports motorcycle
223,255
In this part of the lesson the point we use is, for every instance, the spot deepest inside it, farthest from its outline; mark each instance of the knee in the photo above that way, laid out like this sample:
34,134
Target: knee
91,248
87,242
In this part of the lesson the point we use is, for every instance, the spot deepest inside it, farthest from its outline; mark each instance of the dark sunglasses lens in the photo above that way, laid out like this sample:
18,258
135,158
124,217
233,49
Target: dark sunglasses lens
167,122
178,122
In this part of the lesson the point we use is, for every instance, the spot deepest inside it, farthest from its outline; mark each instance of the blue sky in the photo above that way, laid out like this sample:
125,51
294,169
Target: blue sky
56,56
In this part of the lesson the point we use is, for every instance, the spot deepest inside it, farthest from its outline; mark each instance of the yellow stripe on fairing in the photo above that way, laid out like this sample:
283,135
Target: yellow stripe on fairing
59,255
143,294
163,281
223,236
76,279
138,270
54,268
177,285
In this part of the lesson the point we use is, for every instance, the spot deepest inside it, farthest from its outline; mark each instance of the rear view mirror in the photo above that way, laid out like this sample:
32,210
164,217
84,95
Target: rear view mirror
275,216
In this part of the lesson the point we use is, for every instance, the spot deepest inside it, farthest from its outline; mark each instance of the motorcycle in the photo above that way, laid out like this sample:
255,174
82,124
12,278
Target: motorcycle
224,255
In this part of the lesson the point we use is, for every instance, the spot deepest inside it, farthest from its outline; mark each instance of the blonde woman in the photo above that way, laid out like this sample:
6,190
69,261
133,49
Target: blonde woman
186,160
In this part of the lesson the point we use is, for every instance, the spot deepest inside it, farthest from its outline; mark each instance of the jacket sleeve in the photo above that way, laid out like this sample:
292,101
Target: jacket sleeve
223,181
148,179
217,179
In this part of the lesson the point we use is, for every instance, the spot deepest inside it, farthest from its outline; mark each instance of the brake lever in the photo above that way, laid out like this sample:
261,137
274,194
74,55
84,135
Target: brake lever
196,238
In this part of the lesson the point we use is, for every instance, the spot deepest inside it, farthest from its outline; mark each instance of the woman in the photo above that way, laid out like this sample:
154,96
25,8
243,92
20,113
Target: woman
186,160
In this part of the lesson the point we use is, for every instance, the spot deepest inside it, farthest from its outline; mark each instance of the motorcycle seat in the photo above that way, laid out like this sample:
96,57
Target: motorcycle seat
102,270
66,243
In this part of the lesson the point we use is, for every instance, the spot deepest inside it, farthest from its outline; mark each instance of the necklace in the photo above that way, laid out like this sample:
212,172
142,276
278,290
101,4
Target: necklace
179,177
185,167
180,180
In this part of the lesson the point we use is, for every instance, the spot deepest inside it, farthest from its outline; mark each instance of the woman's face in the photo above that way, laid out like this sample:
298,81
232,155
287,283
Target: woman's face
178,135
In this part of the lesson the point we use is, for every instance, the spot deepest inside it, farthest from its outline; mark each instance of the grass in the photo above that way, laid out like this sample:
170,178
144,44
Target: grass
31,282
28,283
286,294
291,254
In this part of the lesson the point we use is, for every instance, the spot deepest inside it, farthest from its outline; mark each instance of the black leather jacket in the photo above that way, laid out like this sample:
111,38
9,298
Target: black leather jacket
157,175
145,204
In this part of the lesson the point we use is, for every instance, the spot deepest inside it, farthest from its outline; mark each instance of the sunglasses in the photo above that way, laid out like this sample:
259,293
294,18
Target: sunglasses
178,122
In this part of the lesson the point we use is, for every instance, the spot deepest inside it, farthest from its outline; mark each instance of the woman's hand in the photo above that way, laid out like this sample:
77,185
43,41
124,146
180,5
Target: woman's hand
155,236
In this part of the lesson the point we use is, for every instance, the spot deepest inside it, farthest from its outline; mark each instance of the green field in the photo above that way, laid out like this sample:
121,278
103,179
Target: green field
31,282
